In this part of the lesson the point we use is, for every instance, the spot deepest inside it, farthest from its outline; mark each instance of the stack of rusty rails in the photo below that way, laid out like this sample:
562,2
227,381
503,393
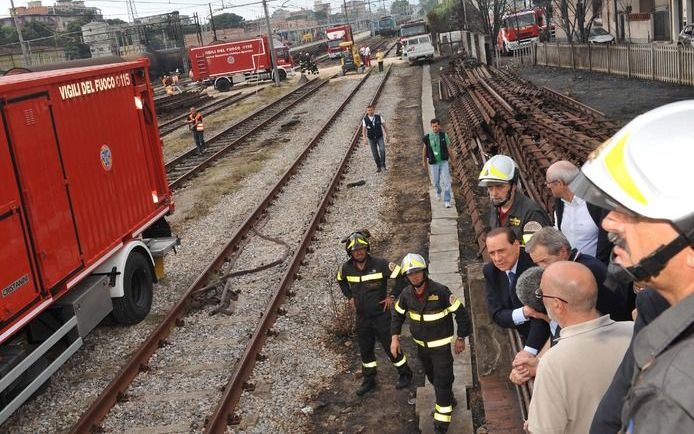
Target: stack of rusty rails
223,412
179,102
191,163
497,112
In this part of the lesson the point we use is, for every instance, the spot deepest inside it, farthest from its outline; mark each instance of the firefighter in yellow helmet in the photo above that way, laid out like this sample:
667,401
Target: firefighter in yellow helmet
363,279
510,207
643,176
430,307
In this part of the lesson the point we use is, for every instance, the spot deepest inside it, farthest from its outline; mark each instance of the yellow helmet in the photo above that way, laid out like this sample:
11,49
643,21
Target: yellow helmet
498,169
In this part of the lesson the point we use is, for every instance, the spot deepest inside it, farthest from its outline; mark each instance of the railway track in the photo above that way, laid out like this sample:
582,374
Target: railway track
288,229
168,126
190,163
497,112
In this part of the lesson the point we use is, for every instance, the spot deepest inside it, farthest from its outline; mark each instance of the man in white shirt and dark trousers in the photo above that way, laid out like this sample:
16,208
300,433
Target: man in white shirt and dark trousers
578,220
373,129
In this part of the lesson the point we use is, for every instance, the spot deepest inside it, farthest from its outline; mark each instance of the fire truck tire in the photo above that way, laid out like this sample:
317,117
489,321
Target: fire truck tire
282,73
223,84
138,280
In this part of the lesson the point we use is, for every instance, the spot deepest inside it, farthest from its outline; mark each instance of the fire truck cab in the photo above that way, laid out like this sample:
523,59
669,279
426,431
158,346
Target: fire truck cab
518,30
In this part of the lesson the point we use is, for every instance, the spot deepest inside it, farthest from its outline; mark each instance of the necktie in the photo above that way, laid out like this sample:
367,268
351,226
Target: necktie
511,279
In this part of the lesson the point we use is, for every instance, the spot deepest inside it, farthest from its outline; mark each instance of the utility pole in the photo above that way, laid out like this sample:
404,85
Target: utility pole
344,2
25,53
214,30
273,55
464,14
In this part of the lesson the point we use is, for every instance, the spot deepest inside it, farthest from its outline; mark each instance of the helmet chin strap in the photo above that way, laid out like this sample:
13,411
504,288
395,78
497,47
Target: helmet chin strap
648,267
508,197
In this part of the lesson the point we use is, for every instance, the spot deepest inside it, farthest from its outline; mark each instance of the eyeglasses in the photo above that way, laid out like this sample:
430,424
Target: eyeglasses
540,295
551,183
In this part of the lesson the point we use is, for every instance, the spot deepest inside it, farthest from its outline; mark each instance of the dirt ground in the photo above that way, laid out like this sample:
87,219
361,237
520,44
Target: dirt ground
620,99
339,409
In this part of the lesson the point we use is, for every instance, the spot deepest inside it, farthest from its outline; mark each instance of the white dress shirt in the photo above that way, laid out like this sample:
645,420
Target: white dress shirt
578,226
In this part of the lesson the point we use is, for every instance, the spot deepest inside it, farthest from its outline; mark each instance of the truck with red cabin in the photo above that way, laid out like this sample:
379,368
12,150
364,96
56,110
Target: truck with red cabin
228,63
337,35
82,204
518,30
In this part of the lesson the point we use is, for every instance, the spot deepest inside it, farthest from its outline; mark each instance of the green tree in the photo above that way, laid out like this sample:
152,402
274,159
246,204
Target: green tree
35,30
400,7
71,40
115,21
228,21
8,35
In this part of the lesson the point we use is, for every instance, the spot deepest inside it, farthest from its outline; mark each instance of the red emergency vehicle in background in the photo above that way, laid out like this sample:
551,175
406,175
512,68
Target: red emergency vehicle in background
229,63
519,29
83,195
337,35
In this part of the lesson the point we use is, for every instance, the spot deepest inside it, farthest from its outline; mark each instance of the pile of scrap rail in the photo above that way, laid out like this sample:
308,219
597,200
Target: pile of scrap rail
496,112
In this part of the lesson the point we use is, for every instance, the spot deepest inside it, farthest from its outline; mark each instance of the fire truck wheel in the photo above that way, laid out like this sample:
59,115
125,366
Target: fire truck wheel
223,84
136,302
282,73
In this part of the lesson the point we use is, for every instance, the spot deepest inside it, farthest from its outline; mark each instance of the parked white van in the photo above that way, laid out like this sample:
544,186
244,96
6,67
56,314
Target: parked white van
417,48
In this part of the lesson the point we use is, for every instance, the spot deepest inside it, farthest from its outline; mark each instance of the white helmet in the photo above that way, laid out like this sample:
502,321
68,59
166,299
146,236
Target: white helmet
498,169
413,262
645,170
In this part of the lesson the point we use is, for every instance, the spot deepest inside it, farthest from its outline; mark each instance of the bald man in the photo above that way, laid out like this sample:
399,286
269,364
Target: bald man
578,220
574,374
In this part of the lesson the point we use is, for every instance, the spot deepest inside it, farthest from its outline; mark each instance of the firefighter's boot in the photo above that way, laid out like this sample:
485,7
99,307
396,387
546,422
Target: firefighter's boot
367,384
405,377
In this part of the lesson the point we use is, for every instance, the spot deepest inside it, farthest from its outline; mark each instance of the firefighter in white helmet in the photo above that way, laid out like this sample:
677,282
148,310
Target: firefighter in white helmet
509,206
643,175
430,307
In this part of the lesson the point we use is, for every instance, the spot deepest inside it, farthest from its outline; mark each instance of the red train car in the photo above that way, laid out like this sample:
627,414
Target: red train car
225,64
83,195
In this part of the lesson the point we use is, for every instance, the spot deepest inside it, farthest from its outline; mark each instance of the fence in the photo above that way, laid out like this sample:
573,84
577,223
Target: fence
668,63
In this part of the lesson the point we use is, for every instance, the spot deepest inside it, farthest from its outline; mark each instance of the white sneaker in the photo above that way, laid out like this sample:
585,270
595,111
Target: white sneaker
447,204
438,196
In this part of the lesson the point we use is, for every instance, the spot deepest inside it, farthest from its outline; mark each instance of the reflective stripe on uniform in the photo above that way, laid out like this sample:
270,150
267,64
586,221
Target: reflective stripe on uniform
442,417
401,362
353,279
448,409
395,272
436,343
615,163
339,274
428,316
374,276
199,127
527,237
369,365
398,309
454,306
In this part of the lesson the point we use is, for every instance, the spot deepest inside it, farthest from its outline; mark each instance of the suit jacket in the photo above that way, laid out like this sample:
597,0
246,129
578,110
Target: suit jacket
502,300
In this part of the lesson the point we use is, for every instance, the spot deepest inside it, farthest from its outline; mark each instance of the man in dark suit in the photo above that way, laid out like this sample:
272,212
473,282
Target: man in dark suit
505,309
549,245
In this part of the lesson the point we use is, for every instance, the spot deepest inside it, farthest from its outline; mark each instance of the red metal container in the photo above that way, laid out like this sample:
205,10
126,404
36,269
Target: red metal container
81,172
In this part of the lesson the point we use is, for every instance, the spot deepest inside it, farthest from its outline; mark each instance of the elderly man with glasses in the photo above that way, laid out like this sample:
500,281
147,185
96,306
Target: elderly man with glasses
574,374
576,218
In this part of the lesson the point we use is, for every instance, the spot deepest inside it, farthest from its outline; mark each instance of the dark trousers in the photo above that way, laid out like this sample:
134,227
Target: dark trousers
380,66
378,150
199,137
438,366
370,329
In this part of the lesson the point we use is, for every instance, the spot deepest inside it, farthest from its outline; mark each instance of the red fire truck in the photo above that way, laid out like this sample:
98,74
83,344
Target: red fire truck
518,29
337,35
235,62
82,203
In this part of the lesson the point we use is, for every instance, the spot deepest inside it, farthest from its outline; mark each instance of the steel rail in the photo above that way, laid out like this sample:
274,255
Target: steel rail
226,148
171,125
223,415
138,361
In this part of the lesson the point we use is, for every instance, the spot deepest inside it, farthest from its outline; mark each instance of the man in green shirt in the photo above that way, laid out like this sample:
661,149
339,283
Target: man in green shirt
435,157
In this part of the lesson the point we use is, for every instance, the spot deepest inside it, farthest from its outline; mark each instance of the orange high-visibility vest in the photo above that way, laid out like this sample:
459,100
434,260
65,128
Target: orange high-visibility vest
199,126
